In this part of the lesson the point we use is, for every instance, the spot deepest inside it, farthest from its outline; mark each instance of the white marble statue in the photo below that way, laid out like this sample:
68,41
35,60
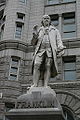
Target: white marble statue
47,40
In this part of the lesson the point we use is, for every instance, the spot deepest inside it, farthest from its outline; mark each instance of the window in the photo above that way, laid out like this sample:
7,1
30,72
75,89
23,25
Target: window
69,115
2,21
69,27
68,0
55,20
14,68
59,1
69,68
9,106
12,77
53,1
1,32
20,16
15,61
23,1
18,30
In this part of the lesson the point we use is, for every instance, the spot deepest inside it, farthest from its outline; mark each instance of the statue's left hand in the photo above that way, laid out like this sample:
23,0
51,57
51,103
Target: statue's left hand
61,51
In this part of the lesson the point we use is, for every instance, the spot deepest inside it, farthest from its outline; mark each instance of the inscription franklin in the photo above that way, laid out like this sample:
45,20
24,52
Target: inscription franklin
35,104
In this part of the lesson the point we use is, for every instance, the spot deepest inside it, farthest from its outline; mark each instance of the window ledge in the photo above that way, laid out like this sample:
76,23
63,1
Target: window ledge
72,42
73,39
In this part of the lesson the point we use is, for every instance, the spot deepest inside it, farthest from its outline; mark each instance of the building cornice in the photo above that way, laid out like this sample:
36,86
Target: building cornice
25,47
14,44
73,84
59,85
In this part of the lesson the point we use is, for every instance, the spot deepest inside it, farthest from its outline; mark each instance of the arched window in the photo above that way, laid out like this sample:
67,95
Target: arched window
9,106
69,115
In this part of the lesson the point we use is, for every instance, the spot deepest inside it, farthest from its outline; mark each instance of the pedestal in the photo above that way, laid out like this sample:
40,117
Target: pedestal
35,114
39,103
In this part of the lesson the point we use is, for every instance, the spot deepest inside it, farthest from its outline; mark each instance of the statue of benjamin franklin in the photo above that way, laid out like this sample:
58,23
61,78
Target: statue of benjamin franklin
48,44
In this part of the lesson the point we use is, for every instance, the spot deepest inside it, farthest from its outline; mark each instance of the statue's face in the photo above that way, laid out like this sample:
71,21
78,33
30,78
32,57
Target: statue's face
46,20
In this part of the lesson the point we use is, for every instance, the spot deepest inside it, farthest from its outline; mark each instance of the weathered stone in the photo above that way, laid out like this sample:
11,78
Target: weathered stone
38,97
38,103
35,114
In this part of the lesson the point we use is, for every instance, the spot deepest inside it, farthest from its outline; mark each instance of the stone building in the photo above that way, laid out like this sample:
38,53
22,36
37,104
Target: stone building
17,18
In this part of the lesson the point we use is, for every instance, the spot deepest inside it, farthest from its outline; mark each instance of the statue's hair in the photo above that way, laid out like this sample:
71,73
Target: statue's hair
43,18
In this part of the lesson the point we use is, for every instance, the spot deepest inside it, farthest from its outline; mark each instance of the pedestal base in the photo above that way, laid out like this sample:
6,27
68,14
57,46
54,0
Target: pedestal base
39,103
35,114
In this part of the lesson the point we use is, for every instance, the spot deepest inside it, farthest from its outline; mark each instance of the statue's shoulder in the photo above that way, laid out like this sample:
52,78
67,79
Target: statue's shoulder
52,27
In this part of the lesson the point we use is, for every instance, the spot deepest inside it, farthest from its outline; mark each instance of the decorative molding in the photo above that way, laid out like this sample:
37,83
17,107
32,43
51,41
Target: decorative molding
74,84
67,93
59,85
25,47
70,100
15,44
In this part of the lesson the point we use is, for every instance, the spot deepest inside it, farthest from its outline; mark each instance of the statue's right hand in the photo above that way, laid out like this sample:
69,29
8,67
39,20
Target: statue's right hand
35,35
35,30
35,27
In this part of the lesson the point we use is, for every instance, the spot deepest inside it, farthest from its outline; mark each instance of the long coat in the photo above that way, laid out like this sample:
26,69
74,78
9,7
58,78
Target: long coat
56,45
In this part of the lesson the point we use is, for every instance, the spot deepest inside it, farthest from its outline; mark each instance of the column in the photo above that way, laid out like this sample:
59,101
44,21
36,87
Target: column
60,23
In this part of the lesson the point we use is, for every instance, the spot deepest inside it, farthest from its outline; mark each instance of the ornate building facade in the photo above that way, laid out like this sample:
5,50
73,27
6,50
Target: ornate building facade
17,18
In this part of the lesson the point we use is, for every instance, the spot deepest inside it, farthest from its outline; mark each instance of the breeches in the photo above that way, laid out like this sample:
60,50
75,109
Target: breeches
43,60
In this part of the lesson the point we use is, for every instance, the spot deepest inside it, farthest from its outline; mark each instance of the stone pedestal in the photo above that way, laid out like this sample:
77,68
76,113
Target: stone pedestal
35,114
39,103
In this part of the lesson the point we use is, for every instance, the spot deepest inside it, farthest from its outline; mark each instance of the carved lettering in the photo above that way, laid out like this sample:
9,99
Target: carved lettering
35,104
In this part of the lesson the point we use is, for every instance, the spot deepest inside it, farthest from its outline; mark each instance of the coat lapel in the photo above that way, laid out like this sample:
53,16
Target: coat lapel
51,27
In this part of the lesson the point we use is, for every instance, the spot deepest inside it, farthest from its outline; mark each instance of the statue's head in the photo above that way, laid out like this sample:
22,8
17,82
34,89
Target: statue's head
46,21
